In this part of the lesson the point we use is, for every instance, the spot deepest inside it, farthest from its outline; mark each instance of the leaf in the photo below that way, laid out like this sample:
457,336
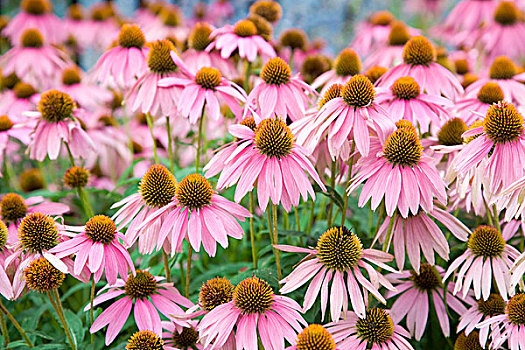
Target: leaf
75,325
267,274
218,271
332,194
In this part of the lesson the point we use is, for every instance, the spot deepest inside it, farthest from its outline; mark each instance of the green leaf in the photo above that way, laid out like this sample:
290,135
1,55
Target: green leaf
75,325
332,194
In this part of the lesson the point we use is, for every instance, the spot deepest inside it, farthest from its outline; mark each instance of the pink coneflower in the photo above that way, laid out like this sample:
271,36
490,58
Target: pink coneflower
518,270
405,100
280,172
22,98
279,93
205,90
446,142
9,129
348,112
500,36
169,23
375,330
503,72
402,174
57,123
510,326
6,288
346,65
372,33
35,61
469,107
198,214
74,26
125,63
178,337
222,10
146,96
35,14
146,295
481,311
87,95
13,208
419,58
97,246
415,290
502,136
255,311
338,252
487,257
156,190
102,28
314,337
418,233
243,37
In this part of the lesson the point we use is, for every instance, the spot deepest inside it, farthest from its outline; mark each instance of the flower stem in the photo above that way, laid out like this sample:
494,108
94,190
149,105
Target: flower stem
70,154
170,144
54,298
5,333
386,244
88,209
276,241
199,137
16,324
188,270
149,120
167,269
91,297
332,185
311,219
247,74
291,63
252,231
348,181
496,217
489,213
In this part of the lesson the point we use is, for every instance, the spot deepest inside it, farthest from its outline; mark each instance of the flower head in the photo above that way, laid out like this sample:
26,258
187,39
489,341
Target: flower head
43,277
145,340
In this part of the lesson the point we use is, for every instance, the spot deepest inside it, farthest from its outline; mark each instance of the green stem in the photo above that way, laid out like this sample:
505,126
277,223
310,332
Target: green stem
332,184
167,270
71,158
91,316
311,218
297,220
379,219
188,270
199,137
276,241
252,231
348,181
54,298
16,324
170,144
5,333
291,63
389,232
496,217
489,213
88,209
247,74
149,120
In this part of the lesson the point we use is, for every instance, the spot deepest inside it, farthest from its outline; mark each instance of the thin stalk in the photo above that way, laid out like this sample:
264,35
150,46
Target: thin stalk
276,241
332,184
188,271
389,232
379,219
5,333
70,154
348,181
170,144
199,137
252,231
276,252
149,120
91,316
16,324
247,74
54,298
496,217
489,213
286,220
88,209
311,218
167,269
291,63
297,221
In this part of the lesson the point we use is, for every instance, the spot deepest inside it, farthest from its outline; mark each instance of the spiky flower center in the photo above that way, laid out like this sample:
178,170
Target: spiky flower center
427,279
490,93
186,339
332,92
101,229
268,9
157,186
294,39
347,63
31,180
419,51
450,133
468,342
358,91
403,147
468,79
253,295
35,7
315,337
208,77
461,66
502,68
375,72
377,327
170,16
32,38
339,249
9,81
249,122
405,88
145,340
475,124
245,28
506,13
199,38
273,138
159,59
140,286
314,65
75,12
486,241
381,18
399,35
503,123
71,76
41,276
493,306
215,292
131,36
37,232
516,309
13,207
194,192
23,90
56,106
264,28
3,235
276,71
5,123
76,177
